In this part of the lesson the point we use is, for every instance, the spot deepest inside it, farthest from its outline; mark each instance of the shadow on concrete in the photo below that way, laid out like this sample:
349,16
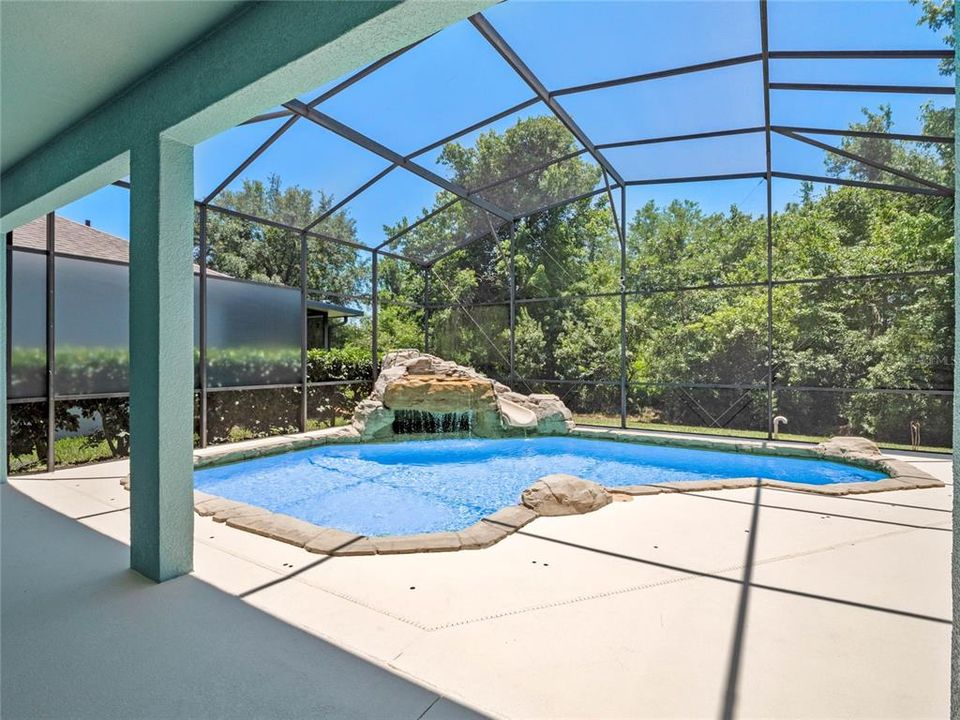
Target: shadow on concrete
728,579
740,624
85,637
821,513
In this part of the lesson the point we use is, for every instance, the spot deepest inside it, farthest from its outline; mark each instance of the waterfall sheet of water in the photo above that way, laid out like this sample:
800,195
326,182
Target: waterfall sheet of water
415,422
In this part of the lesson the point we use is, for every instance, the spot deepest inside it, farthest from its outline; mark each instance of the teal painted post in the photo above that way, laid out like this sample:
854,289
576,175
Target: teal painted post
161,358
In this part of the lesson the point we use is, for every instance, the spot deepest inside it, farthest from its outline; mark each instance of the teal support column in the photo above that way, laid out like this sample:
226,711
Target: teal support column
161,358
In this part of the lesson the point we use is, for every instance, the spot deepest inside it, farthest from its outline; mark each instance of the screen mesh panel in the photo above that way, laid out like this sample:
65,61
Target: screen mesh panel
253,333
28,323
92,327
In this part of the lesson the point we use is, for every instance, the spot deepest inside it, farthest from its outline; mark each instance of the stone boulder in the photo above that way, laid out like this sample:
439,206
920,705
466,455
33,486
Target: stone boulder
439,394
561,494
415,382
375,420
850,447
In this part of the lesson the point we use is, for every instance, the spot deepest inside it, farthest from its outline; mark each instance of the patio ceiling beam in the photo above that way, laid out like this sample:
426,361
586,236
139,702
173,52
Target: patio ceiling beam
865,161
367,143
861,183
657,75
679,138
944,139
845,87
491,35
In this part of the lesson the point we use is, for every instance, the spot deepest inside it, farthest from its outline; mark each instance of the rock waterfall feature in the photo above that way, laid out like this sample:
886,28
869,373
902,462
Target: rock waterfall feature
419,393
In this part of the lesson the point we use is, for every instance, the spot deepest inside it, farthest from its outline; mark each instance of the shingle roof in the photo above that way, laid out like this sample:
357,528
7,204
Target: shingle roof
73,238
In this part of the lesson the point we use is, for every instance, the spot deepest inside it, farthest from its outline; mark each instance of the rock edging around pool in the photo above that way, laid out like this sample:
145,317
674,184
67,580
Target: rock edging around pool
550,495
857,451
506,521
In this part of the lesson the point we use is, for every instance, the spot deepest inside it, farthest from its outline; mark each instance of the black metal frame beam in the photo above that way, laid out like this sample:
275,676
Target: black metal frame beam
680,138
865,161
51,340
304,359
336,207
417,153
861,183
367,143
264,117
264,146
202,330
490,34
768,152
8,332
695,178
546,96
657,75
319,236
850,87
469,241
501,181
335,90
860,54
941,139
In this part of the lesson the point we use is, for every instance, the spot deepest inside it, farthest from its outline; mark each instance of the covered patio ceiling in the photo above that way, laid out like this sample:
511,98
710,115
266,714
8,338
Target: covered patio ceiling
61,60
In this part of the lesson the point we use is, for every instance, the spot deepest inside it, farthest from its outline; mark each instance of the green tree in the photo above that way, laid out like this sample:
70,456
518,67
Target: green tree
253,251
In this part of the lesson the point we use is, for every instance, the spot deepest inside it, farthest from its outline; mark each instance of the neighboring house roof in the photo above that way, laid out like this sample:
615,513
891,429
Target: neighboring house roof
73,238
331,310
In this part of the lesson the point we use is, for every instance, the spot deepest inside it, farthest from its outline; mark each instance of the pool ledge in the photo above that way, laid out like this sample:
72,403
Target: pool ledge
506,521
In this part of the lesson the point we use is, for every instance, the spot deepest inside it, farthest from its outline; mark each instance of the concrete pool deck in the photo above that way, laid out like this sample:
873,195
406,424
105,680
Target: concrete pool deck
777,602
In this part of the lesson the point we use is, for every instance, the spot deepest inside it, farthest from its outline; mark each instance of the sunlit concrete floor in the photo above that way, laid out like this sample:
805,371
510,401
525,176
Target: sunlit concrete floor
638,610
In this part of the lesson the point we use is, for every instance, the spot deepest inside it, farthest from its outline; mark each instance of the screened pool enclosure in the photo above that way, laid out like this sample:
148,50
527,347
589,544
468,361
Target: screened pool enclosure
668,226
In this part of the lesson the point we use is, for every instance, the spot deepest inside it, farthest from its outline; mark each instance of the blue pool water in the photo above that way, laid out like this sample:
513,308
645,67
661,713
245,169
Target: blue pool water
431,485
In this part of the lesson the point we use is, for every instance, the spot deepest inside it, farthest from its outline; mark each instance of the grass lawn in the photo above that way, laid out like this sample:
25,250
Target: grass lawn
80,450
68,451
614,421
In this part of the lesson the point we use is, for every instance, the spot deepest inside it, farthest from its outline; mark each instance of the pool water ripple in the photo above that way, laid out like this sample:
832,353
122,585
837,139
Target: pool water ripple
434,485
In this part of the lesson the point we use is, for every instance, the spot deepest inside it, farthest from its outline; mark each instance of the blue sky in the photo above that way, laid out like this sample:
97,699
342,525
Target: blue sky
455,79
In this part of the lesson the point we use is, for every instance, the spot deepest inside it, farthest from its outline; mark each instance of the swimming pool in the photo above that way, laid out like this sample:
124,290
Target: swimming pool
433,485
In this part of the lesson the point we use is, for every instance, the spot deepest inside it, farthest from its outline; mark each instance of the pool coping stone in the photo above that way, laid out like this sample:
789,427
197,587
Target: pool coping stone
507,520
